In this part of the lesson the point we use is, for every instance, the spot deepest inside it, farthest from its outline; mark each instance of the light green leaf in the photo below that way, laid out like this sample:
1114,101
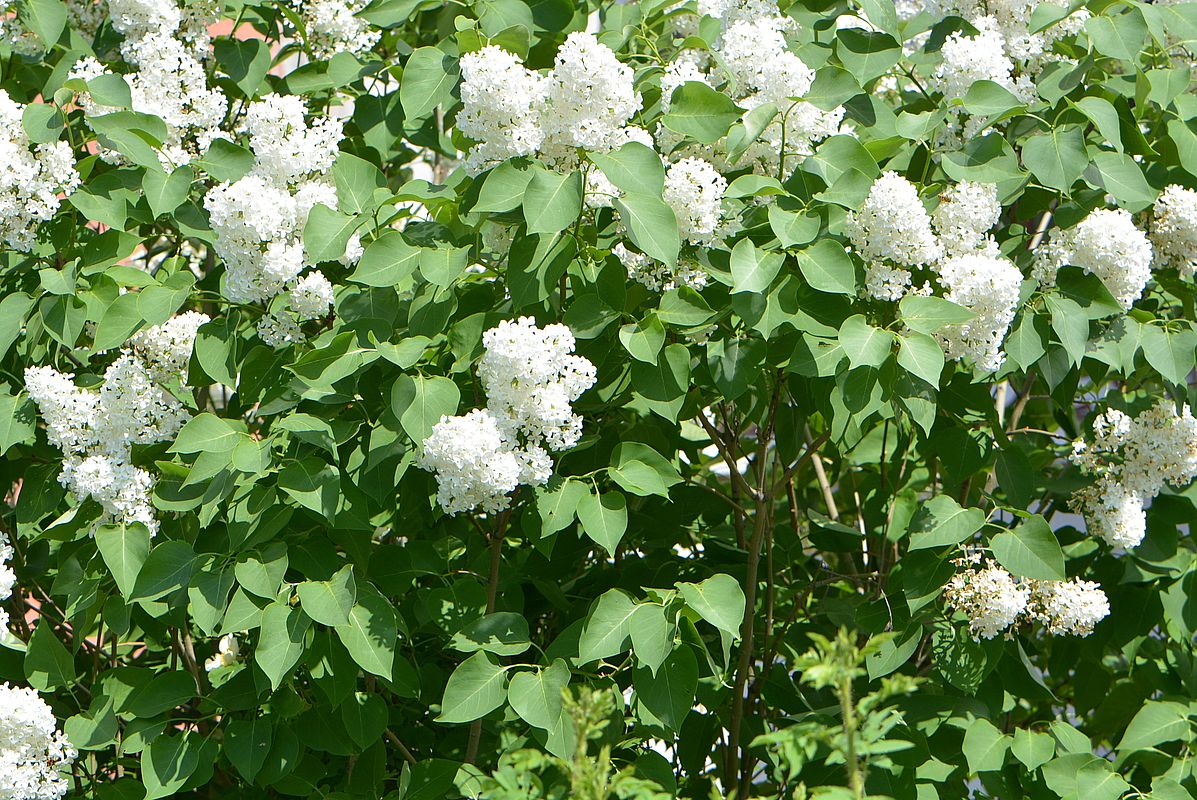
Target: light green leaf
604,518
1030,550
476,688
719,600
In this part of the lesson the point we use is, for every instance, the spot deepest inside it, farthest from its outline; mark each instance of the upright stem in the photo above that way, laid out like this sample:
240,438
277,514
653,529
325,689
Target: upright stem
848,713
492,595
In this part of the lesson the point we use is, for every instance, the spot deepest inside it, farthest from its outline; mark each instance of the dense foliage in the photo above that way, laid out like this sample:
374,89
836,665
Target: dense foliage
548,399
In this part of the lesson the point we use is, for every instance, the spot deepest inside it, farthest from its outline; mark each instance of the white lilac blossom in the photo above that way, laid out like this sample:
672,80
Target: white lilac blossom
8,579
1174,229
32,178
474,462
694,190
311,296
988,286
96,428
994,601
892,232
1068,607
332,26
228,653
968,59
1133,459
755,54
35,756
590,96
166,348
1107,244
1012,20
531,377
964,216
989,596
279,331
501,105
259,233
287,148
656,275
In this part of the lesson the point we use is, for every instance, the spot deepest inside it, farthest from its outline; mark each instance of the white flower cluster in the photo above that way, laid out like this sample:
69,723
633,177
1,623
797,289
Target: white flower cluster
892,232
228,653
332,26
1174,230
754,66
8,579
32,178
694,190
964,217
994,601
35,757
168,43
259,219
1133,458
585,101
656,275
1107,244
96,429
531,378
1012,20
988,286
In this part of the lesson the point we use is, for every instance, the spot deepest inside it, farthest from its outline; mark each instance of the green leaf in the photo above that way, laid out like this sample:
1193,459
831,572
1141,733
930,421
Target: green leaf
668,694
921,356
280,643
365,718
1120,35
641,470
1123,178
167,762
246,61
557,507
941,522
607,628
371,633
634,168
226,161
42,123
247,743
700,112
443,264
1057,158
753,270
326,233
828,268
651,636
419,403
329,602
930,314
985,746
48,665
989,99
866,54
664,385
46,18
165,192
652,225
429,77
207,432
1030,550
18,421
357,181
503,633
1032,749
719,600
865,345
1170,352
604,518
793,229
167,568
536,695
552,201
504,186
643,340
386,261
1155,723
477,687
124,549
